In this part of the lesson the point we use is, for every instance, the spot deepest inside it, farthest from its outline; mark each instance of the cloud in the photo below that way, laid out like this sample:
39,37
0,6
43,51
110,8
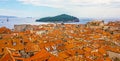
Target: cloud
69,3
79,8
95,12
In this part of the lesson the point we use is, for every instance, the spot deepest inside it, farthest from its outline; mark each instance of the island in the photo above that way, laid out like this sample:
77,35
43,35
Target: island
59,18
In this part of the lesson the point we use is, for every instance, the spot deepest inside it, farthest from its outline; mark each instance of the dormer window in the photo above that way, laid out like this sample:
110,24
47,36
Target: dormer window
47,48
14,43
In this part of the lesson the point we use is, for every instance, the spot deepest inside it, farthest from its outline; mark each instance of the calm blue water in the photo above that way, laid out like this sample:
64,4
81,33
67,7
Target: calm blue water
17,21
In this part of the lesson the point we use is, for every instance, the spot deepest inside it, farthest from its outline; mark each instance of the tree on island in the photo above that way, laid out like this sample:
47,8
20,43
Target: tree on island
59,18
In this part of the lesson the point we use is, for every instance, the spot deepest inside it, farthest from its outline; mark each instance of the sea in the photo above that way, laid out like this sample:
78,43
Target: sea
10,22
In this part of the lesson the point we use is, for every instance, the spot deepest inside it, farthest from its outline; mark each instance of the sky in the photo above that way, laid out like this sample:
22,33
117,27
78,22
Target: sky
44,8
